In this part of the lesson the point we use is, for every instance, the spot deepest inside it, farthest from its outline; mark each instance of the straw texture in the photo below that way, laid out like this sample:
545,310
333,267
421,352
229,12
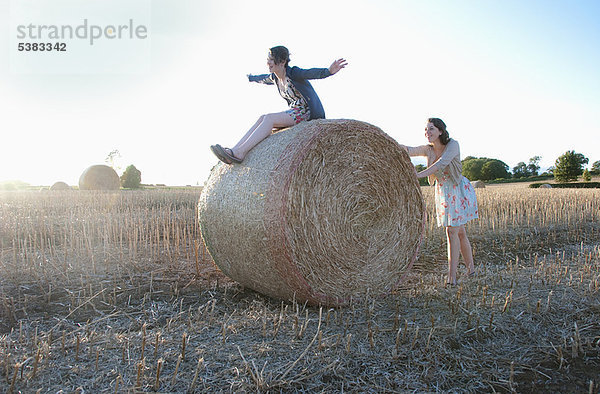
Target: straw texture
99,177
324,211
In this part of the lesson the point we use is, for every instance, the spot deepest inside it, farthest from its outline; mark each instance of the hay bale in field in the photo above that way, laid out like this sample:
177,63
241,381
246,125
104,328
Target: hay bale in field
99,177
58,186
545,186
478,184
321,212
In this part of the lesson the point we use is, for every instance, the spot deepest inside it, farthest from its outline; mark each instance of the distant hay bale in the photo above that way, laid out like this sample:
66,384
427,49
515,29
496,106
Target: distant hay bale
59,186
99,177
321,212
478,184
545,186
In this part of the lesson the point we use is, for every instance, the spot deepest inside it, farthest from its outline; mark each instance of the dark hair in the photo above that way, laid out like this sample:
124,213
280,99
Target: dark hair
280,54
441,126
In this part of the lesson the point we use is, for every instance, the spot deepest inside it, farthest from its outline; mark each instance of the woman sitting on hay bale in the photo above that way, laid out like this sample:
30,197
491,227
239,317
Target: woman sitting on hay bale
294,87
455,199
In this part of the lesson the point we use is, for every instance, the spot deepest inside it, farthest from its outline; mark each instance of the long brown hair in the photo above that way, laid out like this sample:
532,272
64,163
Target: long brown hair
441,126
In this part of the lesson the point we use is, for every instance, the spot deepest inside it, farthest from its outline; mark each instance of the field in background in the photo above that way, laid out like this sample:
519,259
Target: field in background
114,292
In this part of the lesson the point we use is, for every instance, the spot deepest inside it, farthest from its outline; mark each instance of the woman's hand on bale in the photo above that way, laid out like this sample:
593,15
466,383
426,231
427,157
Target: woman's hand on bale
337,65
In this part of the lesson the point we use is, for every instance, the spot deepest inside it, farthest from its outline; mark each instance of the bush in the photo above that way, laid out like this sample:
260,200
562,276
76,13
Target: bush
131,178
586,176
528,179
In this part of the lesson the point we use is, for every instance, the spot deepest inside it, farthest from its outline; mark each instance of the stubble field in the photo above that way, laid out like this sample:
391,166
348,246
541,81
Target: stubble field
114,292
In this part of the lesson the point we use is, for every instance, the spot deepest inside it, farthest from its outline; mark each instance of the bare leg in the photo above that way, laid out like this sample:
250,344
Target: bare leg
453,252
249,132
466,250
261,130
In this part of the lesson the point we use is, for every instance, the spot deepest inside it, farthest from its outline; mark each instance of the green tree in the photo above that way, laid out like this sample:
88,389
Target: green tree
586,175
520,170
131,178
569,166
534,165
494,169
596,168
471,168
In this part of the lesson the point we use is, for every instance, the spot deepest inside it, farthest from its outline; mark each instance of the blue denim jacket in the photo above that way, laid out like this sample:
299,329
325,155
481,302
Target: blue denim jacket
299,78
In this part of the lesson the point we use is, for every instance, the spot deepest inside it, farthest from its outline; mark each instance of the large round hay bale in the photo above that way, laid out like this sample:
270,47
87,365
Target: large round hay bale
99,177
546,186
322,212
478,184
60,186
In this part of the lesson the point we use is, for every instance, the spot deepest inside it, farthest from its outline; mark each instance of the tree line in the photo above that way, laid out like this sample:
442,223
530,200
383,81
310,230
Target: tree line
567,167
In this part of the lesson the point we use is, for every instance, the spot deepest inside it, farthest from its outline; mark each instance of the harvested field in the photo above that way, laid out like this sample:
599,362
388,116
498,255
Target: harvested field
113,292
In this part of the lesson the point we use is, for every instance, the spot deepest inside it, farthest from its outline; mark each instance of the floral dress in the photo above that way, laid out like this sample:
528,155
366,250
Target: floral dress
455,204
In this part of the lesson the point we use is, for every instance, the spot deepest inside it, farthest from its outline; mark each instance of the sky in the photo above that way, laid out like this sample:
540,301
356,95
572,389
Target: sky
511,79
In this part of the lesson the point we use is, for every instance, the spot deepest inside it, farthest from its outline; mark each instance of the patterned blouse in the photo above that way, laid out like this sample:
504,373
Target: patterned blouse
288,91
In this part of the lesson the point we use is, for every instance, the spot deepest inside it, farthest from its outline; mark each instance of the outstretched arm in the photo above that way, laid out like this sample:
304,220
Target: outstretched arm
262,78
317,73
416,150
337,65
452,150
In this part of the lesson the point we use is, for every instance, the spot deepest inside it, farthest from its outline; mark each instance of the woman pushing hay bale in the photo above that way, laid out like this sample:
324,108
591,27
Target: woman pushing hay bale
320,212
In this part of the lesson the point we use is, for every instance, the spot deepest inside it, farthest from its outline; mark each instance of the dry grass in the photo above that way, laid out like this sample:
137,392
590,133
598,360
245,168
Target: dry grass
113,293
